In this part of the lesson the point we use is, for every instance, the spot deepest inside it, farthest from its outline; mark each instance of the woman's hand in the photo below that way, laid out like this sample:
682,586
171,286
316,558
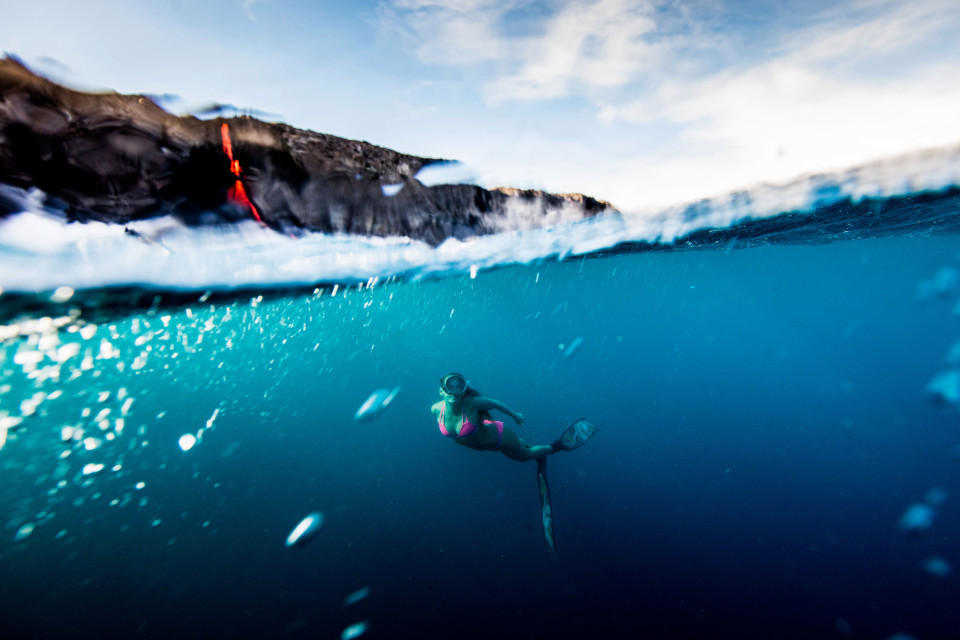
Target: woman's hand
518,418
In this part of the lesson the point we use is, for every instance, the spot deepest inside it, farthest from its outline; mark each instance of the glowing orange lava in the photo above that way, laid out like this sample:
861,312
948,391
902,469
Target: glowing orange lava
237,193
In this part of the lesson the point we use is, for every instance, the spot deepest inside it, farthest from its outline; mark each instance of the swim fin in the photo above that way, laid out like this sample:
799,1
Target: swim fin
576,435
546,509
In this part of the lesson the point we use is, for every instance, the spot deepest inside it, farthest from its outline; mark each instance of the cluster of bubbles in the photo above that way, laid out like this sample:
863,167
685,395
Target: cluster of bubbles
943,390
69,390
75,423
919,517
944,387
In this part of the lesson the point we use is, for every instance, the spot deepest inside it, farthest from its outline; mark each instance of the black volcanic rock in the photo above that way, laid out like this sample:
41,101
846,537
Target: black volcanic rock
117,158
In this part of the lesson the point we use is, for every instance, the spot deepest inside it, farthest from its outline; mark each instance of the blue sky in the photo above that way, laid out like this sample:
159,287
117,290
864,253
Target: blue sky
640,102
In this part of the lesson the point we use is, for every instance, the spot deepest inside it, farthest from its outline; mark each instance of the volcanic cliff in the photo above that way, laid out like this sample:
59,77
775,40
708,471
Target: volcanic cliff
118,158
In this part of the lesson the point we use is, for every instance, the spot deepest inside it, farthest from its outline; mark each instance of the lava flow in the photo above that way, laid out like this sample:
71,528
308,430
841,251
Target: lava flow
237,193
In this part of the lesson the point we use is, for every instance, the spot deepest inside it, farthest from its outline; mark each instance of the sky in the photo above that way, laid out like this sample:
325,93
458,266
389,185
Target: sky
643,103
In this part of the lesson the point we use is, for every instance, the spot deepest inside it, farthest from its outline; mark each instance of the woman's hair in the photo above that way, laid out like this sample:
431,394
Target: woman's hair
472,392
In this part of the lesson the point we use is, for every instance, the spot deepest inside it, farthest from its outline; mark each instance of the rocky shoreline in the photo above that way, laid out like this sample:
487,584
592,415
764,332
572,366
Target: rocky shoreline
117,158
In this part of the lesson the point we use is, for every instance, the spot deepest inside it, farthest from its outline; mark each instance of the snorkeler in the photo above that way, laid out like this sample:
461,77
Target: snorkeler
464,415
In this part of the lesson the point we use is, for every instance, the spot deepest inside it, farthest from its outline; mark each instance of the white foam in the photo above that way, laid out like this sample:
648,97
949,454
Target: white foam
375,404
187,441
355,630
39,251
936,566
573,347
356,596
305,531
24,531
390,190
446,173
918,518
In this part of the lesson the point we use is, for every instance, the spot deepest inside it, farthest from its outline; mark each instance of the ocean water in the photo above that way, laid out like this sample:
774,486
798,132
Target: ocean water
763,404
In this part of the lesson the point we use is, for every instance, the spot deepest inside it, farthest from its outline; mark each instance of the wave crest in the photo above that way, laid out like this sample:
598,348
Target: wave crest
40,250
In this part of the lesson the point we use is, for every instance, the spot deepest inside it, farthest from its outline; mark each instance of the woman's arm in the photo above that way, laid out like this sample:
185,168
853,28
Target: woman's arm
485,404
435,408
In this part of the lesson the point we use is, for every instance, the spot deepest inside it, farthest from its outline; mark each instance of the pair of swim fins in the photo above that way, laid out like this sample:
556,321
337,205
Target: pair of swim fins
573,436
576,435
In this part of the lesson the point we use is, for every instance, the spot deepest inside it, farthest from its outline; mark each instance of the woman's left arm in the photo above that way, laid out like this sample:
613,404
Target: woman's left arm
485,404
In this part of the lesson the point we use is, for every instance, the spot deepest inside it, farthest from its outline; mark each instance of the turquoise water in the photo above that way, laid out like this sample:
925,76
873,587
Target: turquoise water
764,425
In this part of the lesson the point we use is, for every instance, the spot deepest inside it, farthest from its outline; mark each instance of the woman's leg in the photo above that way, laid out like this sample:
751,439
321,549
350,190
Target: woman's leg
516,449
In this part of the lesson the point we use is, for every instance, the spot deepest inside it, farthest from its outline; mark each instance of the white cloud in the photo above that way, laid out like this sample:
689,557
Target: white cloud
800,112
585,45
449,32
248,6
862,80
779,121
581,45
883,27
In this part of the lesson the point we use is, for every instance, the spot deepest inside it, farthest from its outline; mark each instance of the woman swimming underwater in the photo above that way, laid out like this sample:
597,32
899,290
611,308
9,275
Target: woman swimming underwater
464,415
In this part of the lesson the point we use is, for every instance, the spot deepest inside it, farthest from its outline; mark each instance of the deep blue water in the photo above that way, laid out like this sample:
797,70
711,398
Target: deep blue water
764,424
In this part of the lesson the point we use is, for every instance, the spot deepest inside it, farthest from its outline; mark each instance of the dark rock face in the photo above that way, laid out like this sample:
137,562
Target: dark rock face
117,158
